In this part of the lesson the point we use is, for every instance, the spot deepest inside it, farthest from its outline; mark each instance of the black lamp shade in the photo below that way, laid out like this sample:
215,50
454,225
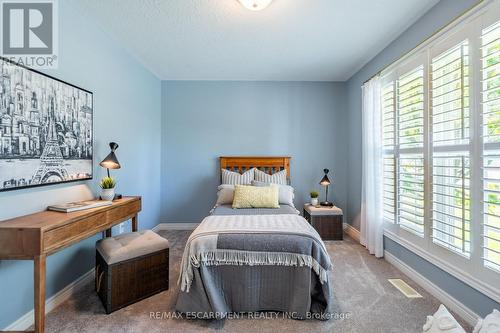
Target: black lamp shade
110,161
325,181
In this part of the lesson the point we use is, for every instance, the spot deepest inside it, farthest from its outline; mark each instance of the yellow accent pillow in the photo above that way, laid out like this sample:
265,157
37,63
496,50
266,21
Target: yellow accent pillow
256,197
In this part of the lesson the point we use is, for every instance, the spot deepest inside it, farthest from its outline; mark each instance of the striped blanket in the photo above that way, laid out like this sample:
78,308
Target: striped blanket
281,240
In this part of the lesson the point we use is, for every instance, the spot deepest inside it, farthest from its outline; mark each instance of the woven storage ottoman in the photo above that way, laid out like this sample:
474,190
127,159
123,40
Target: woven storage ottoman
130,267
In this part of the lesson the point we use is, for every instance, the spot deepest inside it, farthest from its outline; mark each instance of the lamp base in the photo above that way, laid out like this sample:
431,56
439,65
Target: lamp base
326,204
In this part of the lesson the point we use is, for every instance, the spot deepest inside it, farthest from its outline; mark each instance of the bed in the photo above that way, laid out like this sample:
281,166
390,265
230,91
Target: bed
256,259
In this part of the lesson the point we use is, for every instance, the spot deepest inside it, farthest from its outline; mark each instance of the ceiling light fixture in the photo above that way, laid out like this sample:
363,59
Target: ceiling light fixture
255,5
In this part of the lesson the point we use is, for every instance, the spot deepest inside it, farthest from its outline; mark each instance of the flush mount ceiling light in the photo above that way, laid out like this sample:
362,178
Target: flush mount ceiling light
255,5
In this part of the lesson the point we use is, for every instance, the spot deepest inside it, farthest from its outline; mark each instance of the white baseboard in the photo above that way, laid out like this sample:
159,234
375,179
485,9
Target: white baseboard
449,301
351,231
175,226
27,320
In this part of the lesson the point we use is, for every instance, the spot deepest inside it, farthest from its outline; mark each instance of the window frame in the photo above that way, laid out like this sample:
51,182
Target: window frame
469,270
442,45
409,65
486,20
388,152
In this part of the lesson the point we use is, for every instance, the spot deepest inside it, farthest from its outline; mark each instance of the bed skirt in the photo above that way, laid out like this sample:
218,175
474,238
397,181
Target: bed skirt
217,291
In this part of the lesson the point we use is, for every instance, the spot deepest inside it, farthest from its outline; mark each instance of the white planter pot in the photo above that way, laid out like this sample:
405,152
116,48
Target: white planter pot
314,201
108,194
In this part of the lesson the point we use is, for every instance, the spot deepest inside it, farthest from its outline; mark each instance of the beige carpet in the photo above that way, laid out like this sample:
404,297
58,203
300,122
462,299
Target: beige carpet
369,302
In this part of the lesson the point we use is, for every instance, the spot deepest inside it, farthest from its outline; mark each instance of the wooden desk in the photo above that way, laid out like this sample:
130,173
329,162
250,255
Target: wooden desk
35,236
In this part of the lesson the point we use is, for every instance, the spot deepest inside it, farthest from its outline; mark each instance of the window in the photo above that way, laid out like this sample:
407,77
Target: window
411,197
388,137
410,106
411,109
441,143
451,150
490,65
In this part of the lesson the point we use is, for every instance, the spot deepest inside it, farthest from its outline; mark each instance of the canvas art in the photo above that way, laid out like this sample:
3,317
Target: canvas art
45,129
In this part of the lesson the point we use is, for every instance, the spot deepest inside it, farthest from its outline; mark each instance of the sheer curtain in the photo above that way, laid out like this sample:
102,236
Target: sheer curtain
371,200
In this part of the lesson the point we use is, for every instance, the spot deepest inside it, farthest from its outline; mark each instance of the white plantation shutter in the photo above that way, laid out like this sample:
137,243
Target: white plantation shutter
411,193
410,137
451,202
451,149
490,87
388,141
450,97
440,126
411,109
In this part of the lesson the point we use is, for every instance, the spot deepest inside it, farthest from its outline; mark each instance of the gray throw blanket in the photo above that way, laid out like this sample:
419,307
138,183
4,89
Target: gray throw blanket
280,240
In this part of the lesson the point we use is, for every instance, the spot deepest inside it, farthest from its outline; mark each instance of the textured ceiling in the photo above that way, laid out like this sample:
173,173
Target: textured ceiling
302,40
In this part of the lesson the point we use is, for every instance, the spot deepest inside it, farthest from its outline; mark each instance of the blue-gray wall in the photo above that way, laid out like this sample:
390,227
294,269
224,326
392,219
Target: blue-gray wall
437,17
127,110
203,120
176,130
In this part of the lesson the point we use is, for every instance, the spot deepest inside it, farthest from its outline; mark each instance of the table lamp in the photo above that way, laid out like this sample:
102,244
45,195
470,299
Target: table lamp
325,182
111,162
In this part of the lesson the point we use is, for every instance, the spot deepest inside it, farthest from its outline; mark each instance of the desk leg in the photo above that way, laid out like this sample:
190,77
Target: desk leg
134,223
39,279
108,232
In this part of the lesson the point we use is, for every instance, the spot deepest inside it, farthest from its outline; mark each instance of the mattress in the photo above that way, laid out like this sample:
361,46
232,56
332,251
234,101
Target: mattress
228,210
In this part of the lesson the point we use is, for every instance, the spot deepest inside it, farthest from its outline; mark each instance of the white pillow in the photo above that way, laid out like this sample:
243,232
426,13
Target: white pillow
275,178
235,178
490,324
225,194
286,192
442,322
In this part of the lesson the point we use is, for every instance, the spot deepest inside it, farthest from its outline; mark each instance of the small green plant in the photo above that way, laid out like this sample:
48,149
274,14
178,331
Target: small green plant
314,194
107,183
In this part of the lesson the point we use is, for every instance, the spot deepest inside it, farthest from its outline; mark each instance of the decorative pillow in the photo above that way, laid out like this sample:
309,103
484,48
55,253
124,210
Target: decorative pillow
490,324
235,178
275,178
256,197
286,192
225,194
442,321
260,184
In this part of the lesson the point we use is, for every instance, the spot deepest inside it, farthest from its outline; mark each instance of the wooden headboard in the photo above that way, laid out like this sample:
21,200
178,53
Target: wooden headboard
269,164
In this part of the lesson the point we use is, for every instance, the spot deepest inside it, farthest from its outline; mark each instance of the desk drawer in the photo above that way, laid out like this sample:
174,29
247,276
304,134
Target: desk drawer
71,233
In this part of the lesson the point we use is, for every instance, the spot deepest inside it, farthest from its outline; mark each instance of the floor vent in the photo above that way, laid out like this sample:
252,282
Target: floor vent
405,288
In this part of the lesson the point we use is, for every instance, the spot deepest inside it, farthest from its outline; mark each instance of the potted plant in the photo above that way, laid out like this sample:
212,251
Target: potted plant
107,185
314,198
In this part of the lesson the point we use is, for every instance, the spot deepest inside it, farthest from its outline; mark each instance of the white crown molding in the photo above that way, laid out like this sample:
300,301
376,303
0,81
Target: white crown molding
449,301
27,320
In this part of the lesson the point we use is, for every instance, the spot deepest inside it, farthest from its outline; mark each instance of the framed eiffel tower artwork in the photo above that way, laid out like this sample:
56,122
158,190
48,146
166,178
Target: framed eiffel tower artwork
46,129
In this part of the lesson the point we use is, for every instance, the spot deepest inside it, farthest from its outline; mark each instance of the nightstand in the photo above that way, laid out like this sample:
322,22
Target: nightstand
328,221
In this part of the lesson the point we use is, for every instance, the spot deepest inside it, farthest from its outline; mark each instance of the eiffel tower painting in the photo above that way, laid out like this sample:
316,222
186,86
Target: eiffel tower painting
46,129
51,167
